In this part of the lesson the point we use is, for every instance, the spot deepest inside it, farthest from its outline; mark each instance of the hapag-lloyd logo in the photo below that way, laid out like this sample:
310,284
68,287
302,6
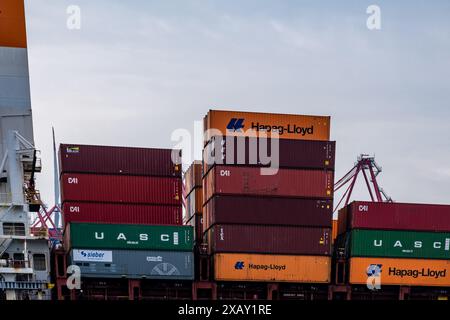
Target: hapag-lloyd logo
237,124
374,272
416,273
240,265
276,267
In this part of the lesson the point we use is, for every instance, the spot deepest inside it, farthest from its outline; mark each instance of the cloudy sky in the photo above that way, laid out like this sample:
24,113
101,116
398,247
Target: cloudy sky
139,69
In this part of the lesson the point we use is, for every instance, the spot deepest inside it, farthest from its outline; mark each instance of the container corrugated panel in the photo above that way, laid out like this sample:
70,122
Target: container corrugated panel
121,213
125,189
169,265
287,126
269,211
282,153
230,180
399,216
194,202
401,272
270,239
126,236
334,230
342,220
193,177
76,158
12,24
196,222
400,244
267,267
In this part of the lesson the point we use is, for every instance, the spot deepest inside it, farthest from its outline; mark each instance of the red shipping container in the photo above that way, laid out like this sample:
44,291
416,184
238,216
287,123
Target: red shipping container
250,151
269,239
120,189
193,177
394,216
269,211
231,180
194,202
76,158
196,221
121,213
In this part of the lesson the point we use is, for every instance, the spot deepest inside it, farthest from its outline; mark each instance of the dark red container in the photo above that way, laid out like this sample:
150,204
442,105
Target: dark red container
270,239
293,154
76,158
269,211
196,221
232,180
121,213
394,216
120,189
193,177
194,202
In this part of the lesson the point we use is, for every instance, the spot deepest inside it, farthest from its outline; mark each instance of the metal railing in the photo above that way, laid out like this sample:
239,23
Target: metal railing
16,264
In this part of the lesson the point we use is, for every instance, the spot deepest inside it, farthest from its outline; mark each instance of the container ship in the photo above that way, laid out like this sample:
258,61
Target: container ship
251,220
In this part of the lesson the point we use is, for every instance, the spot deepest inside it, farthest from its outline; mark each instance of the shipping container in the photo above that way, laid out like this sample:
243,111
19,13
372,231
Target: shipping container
334,231
400,272
121,213
283,126
196,222
276,268
77,158
127,236
12,25
170,265
269,211
395,216
194,202
230,180
282,153
269,239
193,177
120,189
401,244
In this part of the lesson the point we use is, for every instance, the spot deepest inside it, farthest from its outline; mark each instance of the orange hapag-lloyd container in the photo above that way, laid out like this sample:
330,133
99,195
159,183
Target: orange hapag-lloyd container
410,272
264,267
12,24
288,126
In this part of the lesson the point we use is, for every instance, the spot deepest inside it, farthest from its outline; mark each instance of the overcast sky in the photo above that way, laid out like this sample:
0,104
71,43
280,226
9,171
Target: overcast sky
138,70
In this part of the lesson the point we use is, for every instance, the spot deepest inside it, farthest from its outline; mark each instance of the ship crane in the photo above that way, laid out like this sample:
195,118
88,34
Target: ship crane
370,170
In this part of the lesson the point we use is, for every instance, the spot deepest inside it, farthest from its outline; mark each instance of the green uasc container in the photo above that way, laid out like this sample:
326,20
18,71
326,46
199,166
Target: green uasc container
127,236
400,244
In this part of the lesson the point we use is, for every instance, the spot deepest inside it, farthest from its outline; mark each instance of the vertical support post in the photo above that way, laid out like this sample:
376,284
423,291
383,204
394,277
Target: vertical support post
375,184
271,288
14,170
353,184
134,285
368,185
404,292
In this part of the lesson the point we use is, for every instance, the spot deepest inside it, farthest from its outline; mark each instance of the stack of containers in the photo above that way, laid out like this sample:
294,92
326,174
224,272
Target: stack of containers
268,227
400,243
194,199
122,212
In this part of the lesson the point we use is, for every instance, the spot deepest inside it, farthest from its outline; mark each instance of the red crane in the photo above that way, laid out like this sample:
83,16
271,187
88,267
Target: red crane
370,170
